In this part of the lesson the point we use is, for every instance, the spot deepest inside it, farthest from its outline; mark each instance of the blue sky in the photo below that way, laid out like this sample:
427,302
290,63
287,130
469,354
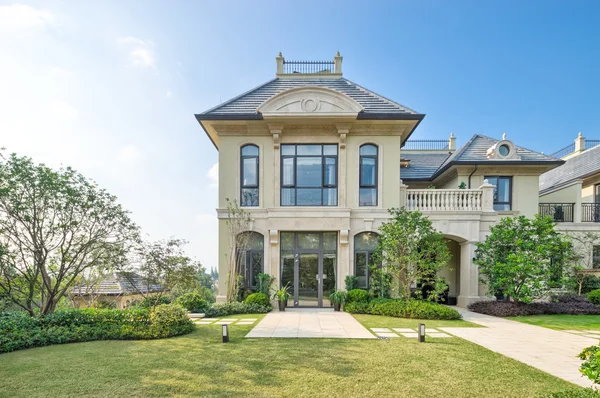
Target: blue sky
111,87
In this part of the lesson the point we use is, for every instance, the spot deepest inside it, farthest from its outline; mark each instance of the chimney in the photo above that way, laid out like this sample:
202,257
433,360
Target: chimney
579,143
452,142
280,60
337,63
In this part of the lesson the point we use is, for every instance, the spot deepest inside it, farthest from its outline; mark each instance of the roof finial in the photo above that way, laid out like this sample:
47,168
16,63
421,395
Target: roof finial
451,135
580,135
280,54
503,136
337,54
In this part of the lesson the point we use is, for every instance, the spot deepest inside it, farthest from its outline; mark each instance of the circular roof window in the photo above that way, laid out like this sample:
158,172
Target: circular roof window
504,150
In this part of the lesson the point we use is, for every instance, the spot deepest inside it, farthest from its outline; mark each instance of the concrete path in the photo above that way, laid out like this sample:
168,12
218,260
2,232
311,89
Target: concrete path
310,323
551,351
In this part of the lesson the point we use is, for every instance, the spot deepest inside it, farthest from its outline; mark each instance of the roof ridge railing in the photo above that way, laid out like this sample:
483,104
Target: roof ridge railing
308,66
426,145
571,148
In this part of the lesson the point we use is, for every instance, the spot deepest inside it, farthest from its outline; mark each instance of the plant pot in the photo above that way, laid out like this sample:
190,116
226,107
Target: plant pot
337,306
282,305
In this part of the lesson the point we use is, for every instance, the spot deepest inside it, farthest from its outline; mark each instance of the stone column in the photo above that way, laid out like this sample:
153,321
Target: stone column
343,260
343,130
403,195
276,131
469,275
452,142
274,265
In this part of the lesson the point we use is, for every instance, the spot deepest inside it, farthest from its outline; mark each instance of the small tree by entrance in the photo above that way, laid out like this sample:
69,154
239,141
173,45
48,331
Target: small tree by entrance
516,259
411,250
582,259
238,221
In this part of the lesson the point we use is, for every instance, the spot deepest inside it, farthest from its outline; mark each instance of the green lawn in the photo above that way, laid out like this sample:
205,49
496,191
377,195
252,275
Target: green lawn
198,364
562,322
376,321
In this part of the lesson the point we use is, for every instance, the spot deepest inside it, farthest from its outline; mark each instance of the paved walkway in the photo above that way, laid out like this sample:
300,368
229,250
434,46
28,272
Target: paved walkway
310,323
551,351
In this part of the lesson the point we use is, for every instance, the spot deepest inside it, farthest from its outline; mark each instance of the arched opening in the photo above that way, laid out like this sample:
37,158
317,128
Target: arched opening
365,245
451,273
251,257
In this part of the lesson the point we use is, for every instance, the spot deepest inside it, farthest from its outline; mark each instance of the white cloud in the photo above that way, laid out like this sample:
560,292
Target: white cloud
22,17
169,94
213,175
129,155
62,111
141,52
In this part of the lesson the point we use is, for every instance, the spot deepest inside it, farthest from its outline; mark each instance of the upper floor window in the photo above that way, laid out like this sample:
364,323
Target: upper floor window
367,195
502,192
309,175
249,176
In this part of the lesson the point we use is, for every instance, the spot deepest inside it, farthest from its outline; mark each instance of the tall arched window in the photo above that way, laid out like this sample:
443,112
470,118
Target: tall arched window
367,195
249,176
251,258
365,245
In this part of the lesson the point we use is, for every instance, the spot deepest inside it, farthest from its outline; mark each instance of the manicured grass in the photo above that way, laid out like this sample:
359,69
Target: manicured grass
376,321
562,322
198,364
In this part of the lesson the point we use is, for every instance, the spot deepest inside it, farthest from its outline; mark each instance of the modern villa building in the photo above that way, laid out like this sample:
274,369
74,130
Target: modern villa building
317,160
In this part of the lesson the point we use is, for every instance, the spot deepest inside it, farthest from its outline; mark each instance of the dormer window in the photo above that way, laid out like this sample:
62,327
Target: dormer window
503,150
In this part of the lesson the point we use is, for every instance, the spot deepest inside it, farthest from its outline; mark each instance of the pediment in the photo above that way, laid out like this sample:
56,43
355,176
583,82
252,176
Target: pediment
310,102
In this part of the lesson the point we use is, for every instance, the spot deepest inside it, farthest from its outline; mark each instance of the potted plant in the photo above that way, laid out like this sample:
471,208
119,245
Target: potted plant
337,298
282,295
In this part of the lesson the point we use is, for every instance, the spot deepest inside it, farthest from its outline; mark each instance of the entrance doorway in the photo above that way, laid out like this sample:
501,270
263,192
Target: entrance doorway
309,265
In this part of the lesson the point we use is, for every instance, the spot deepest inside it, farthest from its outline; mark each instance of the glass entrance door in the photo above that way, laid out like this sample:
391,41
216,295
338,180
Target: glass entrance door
309,266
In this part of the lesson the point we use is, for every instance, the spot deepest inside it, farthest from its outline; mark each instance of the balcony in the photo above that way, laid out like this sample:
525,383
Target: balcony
448,200
570,212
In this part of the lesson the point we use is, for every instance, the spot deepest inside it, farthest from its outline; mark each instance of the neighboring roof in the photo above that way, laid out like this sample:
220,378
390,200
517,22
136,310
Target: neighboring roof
422,165
581,166
474,152
118,284
244,106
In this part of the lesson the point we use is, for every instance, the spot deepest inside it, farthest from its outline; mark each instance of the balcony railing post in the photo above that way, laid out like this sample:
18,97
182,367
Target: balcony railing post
487,200
403,195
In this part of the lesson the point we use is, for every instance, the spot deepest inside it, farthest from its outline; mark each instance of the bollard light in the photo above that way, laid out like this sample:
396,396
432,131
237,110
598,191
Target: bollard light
225,334
421,332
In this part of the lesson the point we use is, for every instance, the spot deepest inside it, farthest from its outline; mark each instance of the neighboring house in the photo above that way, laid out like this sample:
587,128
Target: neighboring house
116,290
316,160
571,195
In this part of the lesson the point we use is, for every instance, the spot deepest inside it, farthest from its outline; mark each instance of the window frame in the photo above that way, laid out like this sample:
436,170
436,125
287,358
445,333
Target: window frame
245,256
368,256
510,191
360,174
596,257
254,186
295,186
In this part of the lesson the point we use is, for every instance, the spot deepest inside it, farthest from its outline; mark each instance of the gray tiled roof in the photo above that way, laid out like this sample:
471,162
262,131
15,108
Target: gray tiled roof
118,284
473,152
422,165
247,103
578,167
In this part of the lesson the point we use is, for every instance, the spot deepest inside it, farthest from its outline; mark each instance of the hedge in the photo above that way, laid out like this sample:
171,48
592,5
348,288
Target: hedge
357,295
415,309
556,307
573,393
224,309
594,297
258,298
192,302
18,330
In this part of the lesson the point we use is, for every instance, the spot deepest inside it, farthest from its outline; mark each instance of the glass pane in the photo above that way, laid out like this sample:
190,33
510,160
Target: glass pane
250,171
367,171
288,149
503,190
309,240
366,241
329,196
596,257
367,197
287,273
330,149
368,150
492,180
249,197
250,150
308,172
309,197
288,171
330,177
501,207
360,263
308,284
256,261
329,277
287,240
330,241
288,197
256,241
309,149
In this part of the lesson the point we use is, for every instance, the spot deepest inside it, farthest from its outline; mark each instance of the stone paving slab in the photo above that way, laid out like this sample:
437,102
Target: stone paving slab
404,330
310,323
223,323
411,335
387,335
380,330
552,351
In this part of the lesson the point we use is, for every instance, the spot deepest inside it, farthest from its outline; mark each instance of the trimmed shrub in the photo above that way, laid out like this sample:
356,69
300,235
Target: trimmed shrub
505,308
573,393
258,298
223,309
569,298
594,297
590,282
591,363
351,282
19,330
151,301
357,296
192,302
414,309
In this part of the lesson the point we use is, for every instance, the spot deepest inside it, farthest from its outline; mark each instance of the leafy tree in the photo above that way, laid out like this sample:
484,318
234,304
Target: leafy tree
516,258
54,225
411,250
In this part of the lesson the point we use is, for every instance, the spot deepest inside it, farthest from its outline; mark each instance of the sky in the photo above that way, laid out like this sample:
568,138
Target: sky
111,87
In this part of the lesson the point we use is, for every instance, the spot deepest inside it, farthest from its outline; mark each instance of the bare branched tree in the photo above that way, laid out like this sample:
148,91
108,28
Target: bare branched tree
238,222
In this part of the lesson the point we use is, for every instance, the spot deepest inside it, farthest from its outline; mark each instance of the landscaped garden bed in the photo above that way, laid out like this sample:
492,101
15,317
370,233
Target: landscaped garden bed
568,304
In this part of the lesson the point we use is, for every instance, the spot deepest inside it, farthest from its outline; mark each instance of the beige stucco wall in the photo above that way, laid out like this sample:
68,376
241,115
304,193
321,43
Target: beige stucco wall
587,192
568,194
